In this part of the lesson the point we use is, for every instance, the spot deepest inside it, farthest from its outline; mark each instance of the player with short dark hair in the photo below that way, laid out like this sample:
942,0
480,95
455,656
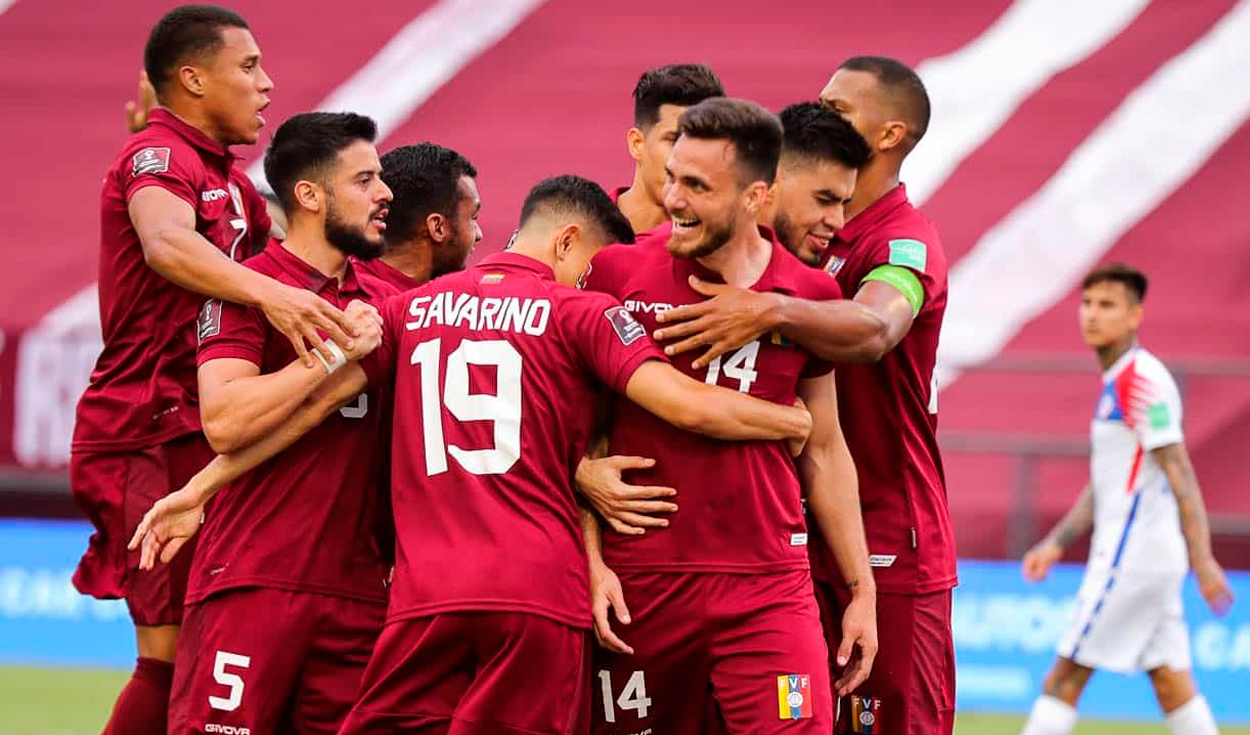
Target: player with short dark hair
432,226
889,257
1149,522
173,203
483,483
721,599
288,552
660,96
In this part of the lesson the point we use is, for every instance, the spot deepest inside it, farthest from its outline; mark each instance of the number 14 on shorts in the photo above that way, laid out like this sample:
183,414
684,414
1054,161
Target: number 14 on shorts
633,695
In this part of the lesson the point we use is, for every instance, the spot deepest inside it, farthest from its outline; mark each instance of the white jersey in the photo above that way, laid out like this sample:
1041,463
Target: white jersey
1136,524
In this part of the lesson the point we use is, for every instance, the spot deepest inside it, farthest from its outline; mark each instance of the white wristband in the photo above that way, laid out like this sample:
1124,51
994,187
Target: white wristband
338,361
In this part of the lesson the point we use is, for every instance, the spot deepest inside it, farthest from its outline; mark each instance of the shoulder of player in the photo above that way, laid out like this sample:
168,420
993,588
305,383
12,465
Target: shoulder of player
377,291
804,280
1151,371
166,150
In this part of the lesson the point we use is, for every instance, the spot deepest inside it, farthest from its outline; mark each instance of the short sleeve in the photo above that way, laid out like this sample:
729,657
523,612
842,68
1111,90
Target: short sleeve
1152,404
176,169
227,330
607,338
916,255
379,365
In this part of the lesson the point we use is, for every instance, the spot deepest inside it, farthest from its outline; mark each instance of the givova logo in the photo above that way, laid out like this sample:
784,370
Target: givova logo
226,729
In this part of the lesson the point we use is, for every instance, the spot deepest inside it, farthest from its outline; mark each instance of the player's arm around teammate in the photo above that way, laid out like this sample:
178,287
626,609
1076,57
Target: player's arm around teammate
829,480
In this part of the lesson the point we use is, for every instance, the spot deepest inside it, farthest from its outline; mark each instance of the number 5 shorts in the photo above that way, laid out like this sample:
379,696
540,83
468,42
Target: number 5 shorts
263,660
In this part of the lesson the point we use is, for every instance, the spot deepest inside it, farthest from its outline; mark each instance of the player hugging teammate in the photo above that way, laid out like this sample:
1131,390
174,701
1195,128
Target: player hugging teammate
411,499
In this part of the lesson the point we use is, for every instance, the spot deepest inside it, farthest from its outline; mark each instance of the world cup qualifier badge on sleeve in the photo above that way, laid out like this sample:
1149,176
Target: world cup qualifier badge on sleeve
794,696
866,715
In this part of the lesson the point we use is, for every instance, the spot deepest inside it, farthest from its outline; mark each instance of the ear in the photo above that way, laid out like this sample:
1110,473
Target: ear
893,133
566,240
757,195
1137,313
309,196
634,140
438,227
191,80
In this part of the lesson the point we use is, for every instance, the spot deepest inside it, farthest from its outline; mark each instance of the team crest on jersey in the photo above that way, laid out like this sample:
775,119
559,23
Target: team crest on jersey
151,161
627,328
209,322
794,696
834,265
866,715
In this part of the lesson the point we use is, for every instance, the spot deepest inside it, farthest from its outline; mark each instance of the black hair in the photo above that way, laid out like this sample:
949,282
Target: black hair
581,197
182,34
1134,280
676,84
307,144
816,133
754,132
424,180
903,86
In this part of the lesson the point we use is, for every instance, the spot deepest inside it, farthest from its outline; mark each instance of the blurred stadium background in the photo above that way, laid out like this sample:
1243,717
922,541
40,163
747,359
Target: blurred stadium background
1065,133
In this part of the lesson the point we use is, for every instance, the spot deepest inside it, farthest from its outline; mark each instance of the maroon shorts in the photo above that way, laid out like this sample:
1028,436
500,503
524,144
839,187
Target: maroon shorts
114,490
267,660
911,690
733,653
474,673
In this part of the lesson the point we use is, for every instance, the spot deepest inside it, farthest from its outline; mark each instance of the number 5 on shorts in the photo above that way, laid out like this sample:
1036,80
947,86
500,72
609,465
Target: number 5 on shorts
633,696
226,679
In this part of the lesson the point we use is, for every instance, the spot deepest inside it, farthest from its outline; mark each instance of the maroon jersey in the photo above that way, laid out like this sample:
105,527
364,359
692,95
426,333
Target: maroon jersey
615,196
494,372
740,501
306,519
384,271
889,408
142,390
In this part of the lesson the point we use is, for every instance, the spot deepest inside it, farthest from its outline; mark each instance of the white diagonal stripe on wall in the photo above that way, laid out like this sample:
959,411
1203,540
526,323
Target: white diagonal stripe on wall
1134,160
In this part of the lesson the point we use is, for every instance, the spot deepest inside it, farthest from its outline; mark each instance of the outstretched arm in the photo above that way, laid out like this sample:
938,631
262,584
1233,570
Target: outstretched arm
711,410
1074,524
832,487
1174,460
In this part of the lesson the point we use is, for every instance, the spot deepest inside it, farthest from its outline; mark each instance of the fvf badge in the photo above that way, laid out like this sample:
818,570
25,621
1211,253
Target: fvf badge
794,696
865,715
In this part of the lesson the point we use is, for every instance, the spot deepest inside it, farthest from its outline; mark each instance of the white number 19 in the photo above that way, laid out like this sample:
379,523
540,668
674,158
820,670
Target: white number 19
503,408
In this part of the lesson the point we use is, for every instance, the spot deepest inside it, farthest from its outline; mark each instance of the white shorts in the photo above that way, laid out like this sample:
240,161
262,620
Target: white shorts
1128,623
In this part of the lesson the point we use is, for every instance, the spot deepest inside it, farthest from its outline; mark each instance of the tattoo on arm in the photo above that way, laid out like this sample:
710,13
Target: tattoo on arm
1077,521
1193,513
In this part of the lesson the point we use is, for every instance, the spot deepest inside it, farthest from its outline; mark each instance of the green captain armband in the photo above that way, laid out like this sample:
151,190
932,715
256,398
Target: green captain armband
904,279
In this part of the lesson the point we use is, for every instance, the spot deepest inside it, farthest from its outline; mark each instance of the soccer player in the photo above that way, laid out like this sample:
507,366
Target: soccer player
483,487
889,257
172,204
432,226
1150,526
660,97
721,600
288,552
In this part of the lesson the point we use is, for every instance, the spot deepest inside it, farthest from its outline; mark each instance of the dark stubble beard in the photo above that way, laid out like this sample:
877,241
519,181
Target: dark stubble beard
714,239
347,239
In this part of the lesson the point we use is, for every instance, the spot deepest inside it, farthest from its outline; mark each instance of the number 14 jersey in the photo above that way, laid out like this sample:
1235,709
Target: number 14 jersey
495,371
740,506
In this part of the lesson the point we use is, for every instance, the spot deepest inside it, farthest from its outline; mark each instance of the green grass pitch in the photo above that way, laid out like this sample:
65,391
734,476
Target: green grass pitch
44,701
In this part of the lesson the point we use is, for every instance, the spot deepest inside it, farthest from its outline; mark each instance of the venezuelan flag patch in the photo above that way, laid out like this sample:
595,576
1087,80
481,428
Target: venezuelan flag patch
865,715
794,696
491,278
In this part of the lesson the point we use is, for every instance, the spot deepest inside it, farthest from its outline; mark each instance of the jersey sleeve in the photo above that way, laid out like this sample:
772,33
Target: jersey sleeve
913,265
174,168
1152,404
821,288
379,365
606,337
227,330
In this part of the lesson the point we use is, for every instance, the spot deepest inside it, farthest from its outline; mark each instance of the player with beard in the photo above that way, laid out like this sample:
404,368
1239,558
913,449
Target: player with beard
724,593
269,567
173,203
432,226
889,256
660,97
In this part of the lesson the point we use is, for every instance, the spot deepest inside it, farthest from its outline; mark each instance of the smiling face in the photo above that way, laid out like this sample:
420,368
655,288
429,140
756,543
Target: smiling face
811,205
356,201
704,196
235,88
